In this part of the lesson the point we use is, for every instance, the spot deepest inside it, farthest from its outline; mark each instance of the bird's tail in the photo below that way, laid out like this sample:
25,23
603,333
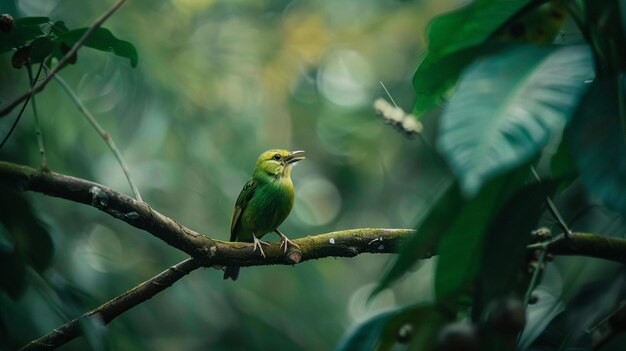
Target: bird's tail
231,272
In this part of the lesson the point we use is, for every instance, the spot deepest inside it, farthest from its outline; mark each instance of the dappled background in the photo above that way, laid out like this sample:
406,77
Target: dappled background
217,83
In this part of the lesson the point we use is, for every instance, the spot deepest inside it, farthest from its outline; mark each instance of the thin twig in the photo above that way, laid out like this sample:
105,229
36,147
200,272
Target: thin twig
555,212
345,243
113,308
388,94
535,278
19,115
65,59
42,151
103,133
210,253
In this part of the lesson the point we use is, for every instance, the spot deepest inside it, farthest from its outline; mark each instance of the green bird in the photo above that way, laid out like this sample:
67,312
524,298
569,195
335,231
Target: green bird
264,202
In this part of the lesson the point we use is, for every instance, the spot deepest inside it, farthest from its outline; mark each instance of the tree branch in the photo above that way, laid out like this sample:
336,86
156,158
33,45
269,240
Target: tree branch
589,245
120,206
103,134
209,252
113,308
39,87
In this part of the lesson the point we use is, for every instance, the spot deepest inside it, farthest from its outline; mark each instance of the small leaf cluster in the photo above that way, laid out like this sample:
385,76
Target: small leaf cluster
40,40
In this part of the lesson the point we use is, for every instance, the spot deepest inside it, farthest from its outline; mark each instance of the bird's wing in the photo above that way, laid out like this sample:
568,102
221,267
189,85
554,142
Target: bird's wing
240,205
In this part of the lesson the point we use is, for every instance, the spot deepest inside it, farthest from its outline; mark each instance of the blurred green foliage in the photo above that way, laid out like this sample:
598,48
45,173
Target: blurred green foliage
25,241
512,85
217,82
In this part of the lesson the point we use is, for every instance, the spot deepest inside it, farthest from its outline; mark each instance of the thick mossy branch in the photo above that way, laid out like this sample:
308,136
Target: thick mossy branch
210,252
590,245
108,311
120,206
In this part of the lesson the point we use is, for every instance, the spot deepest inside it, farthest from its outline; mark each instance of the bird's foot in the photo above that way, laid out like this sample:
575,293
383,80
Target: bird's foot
284,241
257,244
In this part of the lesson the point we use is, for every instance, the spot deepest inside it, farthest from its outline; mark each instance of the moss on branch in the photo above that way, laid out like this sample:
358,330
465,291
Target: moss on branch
210,252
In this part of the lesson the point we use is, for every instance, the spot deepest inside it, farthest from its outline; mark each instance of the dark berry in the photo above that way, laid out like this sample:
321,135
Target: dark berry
6,23
459,336
506,316
21,56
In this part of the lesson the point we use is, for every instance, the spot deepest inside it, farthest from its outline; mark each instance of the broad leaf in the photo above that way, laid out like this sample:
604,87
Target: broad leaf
383,331
606,27
503,270
507,107
562,166
431,81
607,33
462,243
598,146
435,222
539,316
41,48
453,42
102,39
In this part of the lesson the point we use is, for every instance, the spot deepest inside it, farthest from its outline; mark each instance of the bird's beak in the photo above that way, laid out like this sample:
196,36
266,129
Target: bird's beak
295,156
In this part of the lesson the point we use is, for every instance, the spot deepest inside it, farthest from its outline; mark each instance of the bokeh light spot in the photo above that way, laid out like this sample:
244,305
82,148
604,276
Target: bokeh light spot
318,201
345,79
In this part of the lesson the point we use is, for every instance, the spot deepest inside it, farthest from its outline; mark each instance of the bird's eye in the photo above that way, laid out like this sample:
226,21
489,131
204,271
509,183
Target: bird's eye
276,157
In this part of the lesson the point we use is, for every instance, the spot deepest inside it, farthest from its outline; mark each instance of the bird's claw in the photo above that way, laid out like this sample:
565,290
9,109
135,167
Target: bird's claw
257,244
284,242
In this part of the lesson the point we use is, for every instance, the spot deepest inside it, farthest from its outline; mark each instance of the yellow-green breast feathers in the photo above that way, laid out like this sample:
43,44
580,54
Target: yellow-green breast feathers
266,199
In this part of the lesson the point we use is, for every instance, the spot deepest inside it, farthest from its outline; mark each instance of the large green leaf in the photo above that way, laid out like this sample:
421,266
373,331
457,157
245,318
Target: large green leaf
606,30
562,166
454,40
436,75
506,108
539,316
102,39
435,222
470,25
598,146
24,240
503,270
382,332
461,245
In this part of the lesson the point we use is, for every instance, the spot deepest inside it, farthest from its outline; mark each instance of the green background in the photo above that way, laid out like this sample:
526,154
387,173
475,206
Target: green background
217,83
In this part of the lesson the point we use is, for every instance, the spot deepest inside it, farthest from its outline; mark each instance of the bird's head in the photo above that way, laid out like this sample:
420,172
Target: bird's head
277,162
